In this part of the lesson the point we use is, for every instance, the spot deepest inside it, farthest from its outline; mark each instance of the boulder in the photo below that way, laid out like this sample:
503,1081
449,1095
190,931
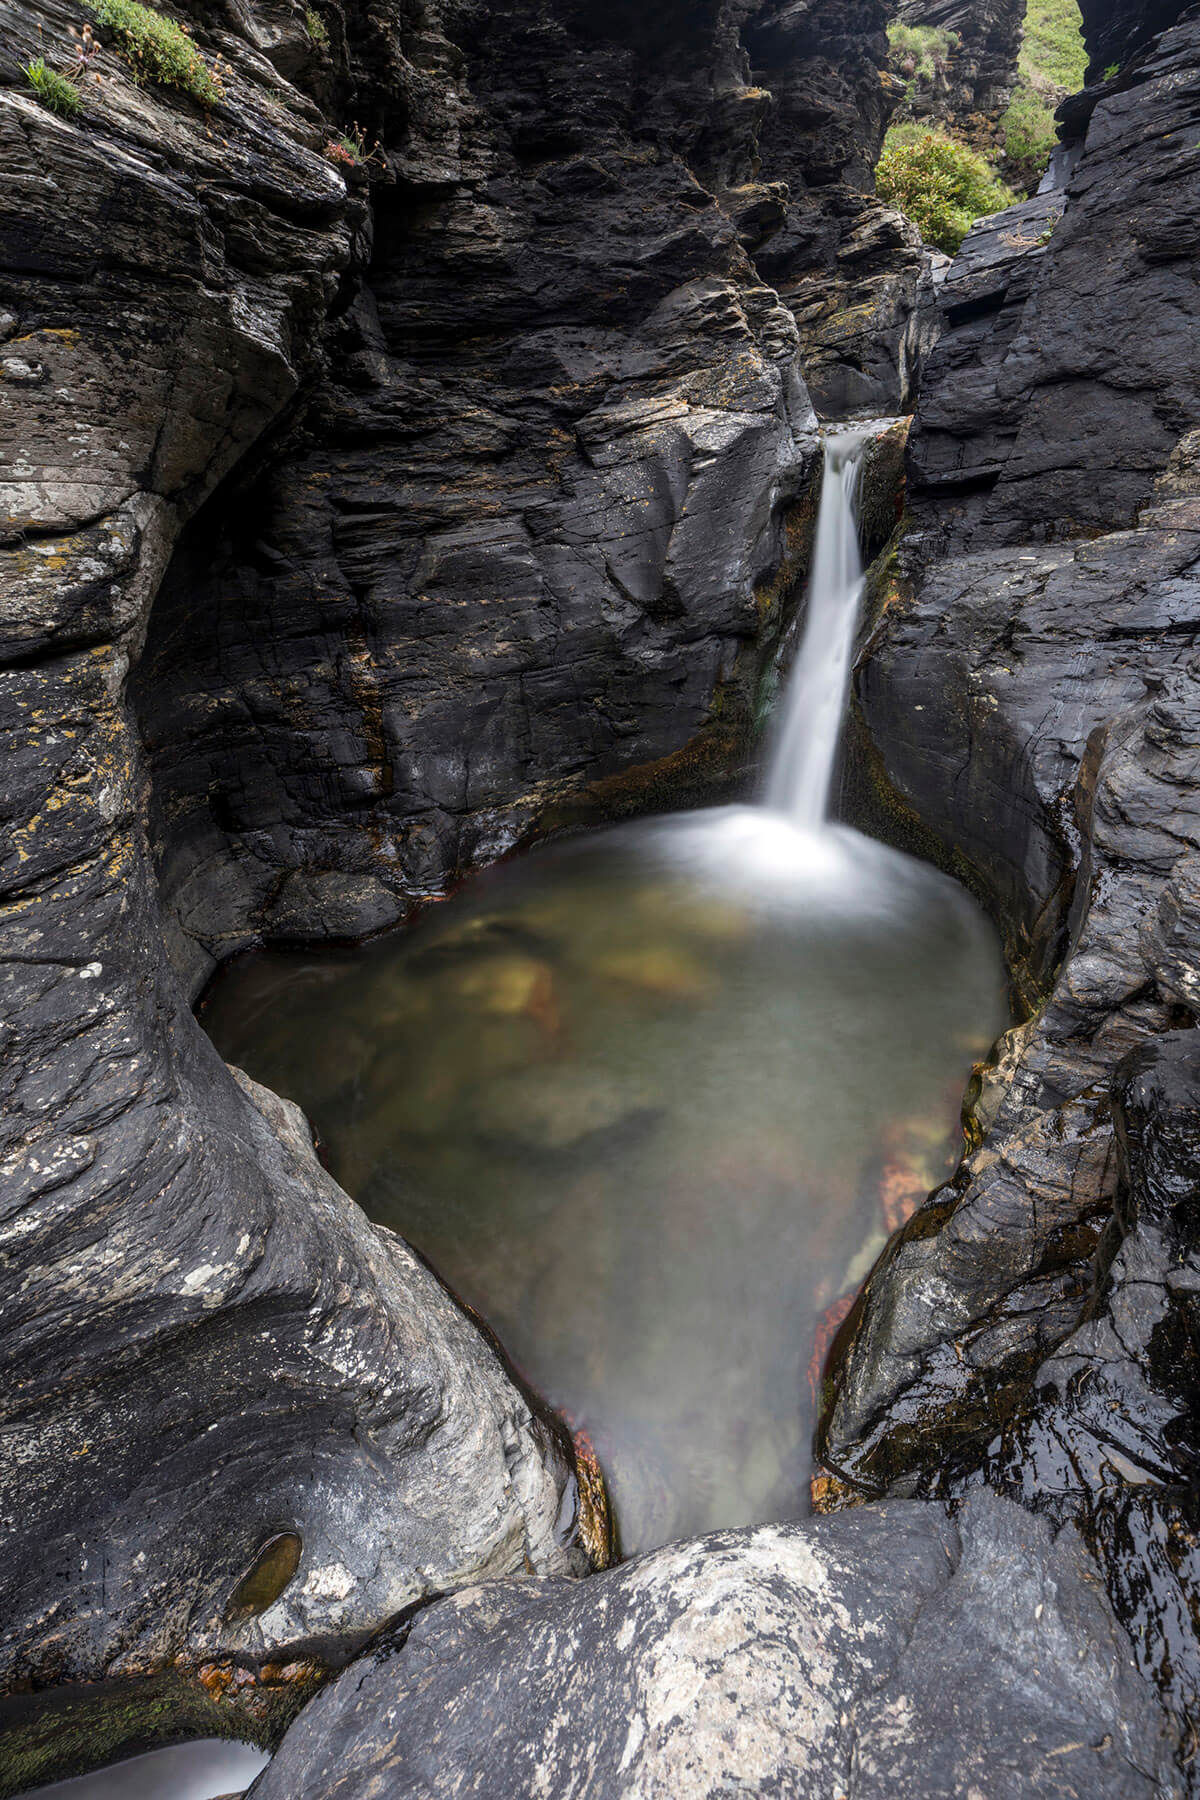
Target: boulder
891,1651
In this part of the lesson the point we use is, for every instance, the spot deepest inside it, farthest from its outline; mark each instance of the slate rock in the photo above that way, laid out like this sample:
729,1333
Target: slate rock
890,1651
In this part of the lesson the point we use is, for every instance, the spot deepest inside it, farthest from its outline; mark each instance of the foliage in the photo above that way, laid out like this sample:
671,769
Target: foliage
1051,65
350,150
1112,69
920,53
55,91
941,184
158,48
317,29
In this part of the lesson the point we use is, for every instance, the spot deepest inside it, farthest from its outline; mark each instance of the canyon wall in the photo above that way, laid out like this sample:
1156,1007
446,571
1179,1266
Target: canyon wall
1030,695
365,512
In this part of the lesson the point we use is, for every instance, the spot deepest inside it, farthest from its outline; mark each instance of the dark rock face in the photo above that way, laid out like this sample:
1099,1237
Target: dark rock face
1031,694
850,268
528,534
889,1651
971,93
205,1344
1062,386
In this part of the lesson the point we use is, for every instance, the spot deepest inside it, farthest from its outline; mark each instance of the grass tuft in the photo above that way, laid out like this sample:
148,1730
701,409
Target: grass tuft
158,48
920,53
56,93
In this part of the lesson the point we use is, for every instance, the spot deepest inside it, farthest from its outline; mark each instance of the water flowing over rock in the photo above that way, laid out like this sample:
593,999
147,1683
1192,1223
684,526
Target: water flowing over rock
892,1651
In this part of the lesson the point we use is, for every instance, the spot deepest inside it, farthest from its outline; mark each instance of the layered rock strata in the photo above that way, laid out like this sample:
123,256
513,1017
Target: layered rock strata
239,1426
1031,694
974,81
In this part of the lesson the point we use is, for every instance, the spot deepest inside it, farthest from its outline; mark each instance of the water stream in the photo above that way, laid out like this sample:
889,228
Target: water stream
651,1101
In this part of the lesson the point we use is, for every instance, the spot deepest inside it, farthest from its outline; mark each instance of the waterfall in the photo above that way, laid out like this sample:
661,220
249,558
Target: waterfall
801,769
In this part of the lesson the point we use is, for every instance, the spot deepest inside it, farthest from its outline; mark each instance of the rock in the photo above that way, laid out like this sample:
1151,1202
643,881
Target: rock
1029,699
206,1347
889,1651
968,95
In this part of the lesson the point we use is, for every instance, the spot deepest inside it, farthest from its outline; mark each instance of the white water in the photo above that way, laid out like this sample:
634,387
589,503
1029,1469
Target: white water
801,769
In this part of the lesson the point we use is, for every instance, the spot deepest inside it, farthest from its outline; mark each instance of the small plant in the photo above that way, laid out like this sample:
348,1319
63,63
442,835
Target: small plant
56,92
158,48
920,53
317,29
1112,69
350,150
941,184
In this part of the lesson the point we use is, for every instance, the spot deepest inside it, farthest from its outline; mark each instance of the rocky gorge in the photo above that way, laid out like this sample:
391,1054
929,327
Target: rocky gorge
410,455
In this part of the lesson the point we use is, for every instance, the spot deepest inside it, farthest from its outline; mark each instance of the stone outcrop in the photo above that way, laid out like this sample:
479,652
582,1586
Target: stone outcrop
973,83
527,534
369,510
1031,697
891,1651
210,1357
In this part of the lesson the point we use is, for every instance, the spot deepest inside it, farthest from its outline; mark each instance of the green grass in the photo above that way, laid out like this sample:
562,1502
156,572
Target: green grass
157,48
56,93
1051,65
316,27
940,183
920,53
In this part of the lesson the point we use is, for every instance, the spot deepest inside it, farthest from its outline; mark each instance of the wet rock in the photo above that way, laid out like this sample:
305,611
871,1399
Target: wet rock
205,1345
889,1651
1046,588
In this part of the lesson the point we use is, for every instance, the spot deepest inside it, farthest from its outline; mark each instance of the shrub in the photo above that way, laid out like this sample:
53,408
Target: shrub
1052,64
158,48
317,29
55,91
941,184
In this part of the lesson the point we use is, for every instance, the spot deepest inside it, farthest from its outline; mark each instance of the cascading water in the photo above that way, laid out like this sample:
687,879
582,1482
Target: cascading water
801,770
651,1099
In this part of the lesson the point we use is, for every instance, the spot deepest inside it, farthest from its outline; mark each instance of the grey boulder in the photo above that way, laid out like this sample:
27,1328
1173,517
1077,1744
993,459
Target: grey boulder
891,1650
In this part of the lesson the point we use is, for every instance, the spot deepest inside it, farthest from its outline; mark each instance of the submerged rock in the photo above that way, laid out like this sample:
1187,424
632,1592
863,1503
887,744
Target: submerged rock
893,1651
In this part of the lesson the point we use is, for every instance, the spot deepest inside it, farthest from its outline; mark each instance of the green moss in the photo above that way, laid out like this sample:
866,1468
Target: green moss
1051,65
158,48
939,182
56,93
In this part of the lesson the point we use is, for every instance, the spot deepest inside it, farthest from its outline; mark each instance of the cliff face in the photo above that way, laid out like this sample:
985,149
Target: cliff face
1031,694
465,479
971,91
526,535
521,537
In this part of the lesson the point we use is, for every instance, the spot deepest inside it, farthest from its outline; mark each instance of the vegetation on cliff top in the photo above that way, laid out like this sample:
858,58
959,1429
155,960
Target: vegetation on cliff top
1051,65
158,48
940,183
920,53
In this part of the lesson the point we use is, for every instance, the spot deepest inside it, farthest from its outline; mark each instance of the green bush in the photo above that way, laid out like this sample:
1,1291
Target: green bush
316,27
158,48
941,184
54,91
1051,65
